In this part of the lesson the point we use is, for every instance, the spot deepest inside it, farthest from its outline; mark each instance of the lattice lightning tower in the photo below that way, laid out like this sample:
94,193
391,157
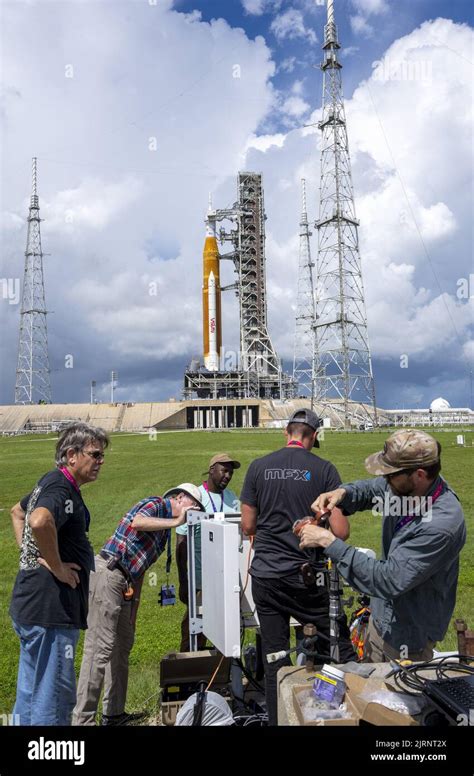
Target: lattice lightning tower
304,351
343,367
33,374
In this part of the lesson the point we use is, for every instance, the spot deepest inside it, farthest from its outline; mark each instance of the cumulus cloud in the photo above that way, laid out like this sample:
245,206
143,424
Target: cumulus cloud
94,204
155,114
365,9
259,7
295,106
369,7
290,25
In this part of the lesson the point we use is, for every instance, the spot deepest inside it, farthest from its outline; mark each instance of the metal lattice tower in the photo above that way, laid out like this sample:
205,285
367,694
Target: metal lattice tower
343,366
258,371
33,374
257,352
304,352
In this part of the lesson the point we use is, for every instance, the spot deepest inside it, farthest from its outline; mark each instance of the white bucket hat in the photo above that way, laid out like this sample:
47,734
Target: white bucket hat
186,487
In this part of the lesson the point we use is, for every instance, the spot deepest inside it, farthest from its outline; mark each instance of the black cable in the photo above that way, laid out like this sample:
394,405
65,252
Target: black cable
198,711
249,676
412,676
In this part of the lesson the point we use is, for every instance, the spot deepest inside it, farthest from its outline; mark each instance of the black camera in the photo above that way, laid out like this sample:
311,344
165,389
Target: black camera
167,595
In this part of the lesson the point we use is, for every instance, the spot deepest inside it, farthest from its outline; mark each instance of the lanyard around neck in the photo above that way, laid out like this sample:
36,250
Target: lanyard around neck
440,489
206,488
295,443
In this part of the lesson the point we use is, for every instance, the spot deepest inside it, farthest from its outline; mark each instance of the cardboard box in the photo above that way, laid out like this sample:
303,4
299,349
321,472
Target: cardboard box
360,709
374,713
353,721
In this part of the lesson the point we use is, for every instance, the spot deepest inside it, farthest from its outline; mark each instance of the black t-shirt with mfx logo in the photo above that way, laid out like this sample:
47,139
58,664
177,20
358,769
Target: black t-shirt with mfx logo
282,486
39,598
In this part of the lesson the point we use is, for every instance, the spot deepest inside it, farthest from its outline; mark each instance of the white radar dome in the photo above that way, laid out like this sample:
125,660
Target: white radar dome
439,404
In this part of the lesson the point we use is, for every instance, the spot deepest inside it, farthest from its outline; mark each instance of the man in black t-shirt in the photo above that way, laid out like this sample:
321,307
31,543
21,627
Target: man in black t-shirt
50,596
279,490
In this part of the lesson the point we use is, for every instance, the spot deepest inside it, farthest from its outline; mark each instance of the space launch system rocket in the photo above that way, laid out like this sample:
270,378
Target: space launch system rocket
211,297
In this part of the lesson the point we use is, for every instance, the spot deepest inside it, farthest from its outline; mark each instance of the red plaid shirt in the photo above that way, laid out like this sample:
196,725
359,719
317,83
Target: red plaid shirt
138,550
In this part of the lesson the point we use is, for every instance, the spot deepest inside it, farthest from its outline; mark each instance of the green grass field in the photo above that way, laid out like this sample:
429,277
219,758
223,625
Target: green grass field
137,467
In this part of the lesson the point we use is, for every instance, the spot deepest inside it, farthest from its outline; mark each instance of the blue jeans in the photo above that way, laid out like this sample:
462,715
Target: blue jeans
46,685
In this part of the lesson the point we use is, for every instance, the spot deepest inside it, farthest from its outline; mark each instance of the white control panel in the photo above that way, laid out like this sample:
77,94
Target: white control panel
221,587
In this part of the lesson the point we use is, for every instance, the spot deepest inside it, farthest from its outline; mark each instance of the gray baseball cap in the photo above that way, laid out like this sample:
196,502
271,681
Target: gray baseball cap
309,418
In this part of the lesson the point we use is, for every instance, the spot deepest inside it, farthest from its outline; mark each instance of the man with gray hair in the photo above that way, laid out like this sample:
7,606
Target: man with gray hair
413,585
50,597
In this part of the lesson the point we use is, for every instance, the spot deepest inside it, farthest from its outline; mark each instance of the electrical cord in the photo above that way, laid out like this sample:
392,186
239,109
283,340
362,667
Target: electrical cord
249,676
215,673
410,679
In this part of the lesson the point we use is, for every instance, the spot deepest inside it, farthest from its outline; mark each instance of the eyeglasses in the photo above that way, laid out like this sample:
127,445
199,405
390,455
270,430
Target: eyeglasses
97,455
395,474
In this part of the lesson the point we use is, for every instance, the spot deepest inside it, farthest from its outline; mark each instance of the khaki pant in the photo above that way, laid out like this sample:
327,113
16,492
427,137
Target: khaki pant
376,650
108,641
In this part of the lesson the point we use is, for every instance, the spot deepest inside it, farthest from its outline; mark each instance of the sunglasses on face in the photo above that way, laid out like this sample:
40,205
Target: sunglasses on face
396,474
97,455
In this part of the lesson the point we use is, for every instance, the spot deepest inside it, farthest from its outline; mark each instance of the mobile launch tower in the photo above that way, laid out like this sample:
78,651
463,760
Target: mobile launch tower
256,370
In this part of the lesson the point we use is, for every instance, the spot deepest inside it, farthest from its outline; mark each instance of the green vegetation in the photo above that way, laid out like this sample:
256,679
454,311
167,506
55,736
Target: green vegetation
137,467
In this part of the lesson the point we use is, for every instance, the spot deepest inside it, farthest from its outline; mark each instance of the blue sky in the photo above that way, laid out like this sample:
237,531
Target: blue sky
135,116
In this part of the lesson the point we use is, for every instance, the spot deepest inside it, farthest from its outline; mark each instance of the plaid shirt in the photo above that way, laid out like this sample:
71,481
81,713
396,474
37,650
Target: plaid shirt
138,550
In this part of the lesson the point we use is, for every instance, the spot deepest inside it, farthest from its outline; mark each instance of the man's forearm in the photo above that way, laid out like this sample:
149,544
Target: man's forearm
142,523
18,522
46,537
361,494
249,520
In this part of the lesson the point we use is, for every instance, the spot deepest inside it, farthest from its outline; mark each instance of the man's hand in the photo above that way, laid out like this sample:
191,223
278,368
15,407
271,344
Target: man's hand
182,516
314,536
327,501
65,572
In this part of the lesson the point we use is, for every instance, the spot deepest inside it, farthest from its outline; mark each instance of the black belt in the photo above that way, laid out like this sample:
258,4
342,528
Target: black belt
114,564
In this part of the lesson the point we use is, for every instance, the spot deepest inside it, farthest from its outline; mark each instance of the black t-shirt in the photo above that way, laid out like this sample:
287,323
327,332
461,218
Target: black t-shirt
282,486
39,598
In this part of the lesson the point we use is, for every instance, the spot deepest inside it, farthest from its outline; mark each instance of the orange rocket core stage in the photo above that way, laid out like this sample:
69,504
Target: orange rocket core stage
211,305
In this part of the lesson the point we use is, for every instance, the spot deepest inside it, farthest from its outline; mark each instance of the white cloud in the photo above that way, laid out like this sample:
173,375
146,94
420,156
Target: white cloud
360,25
255,7
290,25
295,106
287,65
365,9
264,142
369,7
120,215
95,204
468,351
259,7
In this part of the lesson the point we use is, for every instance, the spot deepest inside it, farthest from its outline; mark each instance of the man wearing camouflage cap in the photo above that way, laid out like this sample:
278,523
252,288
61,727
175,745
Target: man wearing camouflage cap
413,586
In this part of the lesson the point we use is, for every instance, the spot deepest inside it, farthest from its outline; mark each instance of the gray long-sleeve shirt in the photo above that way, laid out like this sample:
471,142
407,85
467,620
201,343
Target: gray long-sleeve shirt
413,586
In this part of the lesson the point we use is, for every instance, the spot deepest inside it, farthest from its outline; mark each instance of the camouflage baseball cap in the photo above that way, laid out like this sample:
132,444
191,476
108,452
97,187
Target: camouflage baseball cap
404,449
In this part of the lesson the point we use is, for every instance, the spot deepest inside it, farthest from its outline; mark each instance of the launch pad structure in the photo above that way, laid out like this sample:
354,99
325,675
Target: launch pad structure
256,371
